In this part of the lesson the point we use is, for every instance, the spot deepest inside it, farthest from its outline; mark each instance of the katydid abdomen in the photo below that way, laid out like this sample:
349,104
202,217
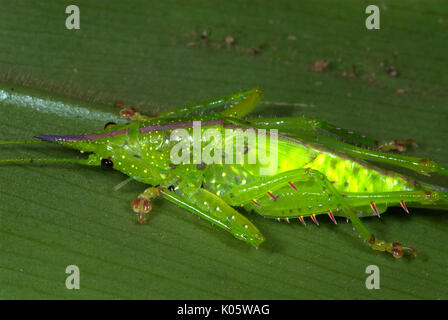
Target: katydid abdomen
356,180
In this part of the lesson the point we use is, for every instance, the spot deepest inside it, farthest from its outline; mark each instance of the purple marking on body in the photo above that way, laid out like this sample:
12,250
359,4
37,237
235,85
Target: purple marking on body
80,137
145,129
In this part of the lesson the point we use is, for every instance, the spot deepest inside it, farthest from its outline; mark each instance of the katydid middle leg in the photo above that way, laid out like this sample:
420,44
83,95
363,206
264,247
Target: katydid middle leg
204,204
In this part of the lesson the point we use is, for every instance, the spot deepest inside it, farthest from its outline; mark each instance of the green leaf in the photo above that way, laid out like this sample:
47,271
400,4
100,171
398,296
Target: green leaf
157,55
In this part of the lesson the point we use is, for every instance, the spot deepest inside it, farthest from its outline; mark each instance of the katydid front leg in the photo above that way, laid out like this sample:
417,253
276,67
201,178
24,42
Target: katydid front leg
142,205
212,208
204,204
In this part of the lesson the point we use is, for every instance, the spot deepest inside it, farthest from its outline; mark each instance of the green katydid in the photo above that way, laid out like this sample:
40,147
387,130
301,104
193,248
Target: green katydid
314,174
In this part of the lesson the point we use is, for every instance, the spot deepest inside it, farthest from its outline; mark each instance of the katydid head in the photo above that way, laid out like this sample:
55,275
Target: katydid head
121,147
102,148
117,147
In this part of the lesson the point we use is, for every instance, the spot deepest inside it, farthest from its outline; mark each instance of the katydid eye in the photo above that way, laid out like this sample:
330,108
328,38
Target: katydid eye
106,163
109,125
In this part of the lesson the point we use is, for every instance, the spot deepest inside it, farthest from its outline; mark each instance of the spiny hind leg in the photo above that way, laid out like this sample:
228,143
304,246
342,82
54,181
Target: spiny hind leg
395,248
399,198
325,193
314,125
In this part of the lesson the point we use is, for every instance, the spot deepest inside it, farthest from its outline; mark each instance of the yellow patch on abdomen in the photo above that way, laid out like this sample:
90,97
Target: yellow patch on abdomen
351,176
